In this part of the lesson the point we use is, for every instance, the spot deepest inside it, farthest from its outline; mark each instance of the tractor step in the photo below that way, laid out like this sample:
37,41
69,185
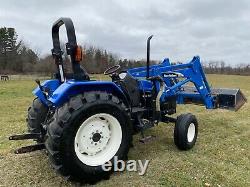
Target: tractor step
30,148
147,139
136,110
27,136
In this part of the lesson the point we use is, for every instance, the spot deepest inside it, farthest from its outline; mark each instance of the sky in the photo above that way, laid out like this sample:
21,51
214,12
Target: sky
212,29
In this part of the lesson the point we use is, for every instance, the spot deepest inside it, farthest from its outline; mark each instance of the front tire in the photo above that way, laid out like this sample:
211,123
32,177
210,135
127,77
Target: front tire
185,131
87,132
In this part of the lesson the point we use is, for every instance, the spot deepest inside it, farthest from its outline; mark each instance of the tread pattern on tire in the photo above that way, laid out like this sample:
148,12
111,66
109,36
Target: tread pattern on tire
61,124
36,115
180,134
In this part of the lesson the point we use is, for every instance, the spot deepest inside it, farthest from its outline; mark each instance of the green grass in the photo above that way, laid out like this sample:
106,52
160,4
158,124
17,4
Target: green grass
221,156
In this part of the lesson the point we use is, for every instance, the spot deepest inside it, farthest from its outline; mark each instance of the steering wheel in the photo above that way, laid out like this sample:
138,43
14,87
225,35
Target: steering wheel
112,70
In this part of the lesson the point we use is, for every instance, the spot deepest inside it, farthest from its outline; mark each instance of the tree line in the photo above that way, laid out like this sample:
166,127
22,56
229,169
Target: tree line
220,67
15,57
18,58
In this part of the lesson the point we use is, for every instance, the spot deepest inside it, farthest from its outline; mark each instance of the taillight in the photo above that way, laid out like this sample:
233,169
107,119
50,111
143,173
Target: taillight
78,54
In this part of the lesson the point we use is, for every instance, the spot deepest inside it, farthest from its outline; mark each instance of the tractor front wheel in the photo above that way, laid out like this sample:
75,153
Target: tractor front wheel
185,131
87,132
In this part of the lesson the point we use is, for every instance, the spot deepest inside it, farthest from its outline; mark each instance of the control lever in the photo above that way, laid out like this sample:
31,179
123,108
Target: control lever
41,88
39,84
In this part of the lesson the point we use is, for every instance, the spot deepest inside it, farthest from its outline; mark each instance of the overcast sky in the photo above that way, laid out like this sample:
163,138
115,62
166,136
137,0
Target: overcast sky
212,29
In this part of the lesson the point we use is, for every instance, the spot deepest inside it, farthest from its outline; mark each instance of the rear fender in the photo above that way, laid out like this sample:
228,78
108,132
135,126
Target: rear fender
50,86
71,88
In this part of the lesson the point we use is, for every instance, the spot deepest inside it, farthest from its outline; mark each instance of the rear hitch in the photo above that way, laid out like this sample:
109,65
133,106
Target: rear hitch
29,148
34,136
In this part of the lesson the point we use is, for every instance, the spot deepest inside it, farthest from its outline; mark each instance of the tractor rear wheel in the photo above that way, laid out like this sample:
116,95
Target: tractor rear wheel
185,131
37,113
87,132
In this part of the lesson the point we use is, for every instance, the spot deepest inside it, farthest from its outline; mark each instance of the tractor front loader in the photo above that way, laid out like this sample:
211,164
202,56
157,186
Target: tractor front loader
84,123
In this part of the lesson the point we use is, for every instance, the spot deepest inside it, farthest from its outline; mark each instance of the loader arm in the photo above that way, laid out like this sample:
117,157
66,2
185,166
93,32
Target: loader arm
176,78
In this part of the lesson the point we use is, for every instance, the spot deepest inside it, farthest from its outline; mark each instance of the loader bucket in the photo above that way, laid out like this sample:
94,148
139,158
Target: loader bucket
231,99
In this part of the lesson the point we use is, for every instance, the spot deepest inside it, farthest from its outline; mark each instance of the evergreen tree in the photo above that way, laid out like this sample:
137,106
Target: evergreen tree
14,55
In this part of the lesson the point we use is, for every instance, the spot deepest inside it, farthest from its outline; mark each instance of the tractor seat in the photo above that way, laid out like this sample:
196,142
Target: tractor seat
80,74
130,86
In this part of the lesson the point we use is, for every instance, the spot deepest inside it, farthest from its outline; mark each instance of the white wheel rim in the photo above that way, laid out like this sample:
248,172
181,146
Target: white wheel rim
191,132
98,139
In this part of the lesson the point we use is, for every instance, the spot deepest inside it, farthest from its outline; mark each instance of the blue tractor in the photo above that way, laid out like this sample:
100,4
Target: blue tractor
85,123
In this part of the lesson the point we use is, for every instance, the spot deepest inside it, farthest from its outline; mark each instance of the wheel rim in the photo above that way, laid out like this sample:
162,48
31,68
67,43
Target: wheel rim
98,139
191,132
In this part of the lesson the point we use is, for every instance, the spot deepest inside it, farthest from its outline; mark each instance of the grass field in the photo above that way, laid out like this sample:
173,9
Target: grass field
221,156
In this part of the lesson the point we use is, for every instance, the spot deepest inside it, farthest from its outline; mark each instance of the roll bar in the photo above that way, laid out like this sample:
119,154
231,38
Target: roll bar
69,29
71,46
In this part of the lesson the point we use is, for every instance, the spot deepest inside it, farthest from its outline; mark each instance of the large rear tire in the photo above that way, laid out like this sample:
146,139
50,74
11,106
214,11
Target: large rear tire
37,113
87,132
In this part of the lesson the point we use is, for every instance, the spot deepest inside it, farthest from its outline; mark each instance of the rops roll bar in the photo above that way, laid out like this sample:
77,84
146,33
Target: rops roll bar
71,48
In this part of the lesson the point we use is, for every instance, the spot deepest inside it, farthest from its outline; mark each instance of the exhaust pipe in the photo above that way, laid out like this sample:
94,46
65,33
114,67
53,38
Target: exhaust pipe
148,54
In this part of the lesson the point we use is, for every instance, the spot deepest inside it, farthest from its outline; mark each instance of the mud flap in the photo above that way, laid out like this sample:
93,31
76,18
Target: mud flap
231,99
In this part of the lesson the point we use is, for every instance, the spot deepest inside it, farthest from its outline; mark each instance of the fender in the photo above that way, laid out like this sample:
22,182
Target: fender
70,88
50,86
